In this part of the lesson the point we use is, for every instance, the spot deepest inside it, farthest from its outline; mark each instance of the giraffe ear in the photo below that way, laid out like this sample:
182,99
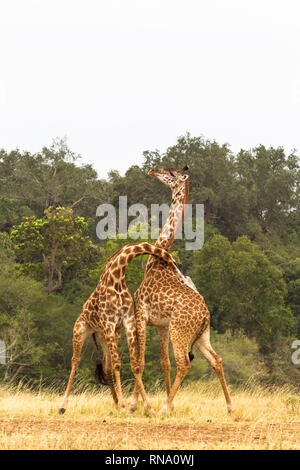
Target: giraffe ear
185,168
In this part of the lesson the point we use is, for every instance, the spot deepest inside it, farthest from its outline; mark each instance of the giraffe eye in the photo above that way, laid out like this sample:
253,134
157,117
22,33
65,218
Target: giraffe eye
172,174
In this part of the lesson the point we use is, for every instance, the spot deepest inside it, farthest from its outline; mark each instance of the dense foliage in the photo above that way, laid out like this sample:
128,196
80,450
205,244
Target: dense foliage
248,269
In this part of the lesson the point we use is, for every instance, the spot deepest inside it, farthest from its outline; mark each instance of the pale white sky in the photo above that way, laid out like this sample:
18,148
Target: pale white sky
121,76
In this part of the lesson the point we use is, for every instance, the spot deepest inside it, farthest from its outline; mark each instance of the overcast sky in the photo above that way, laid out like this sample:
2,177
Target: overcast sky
121,76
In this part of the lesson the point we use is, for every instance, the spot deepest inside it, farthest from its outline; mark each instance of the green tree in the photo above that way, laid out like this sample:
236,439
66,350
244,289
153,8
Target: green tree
36,328
53,246
52,177
244,290
255,193
271,181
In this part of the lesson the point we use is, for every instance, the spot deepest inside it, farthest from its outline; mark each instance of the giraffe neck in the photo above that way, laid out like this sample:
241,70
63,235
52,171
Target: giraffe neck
113,274
173,223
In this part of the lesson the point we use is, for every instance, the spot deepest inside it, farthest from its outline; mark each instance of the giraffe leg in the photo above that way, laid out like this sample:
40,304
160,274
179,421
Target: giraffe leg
116,365
183,365
163,332
204,346
80,333
141,337
107,366
130,329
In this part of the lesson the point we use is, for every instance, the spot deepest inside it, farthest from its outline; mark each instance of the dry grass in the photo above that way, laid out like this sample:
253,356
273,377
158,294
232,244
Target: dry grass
262,420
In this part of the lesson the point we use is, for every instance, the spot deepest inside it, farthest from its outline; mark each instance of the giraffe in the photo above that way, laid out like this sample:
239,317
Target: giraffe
178,182
170,301
107,310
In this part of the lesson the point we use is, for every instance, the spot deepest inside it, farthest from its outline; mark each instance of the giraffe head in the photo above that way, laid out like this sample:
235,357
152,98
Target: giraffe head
172,177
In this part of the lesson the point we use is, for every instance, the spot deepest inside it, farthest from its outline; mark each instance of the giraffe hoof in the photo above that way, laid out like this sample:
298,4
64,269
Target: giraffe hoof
61,411
230,410
150,411
132,408
164,410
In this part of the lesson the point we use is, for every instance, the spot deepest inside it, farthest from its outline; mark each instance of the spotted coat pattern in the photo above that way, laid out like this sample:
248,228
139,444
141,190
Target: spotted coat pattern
169,301
108,309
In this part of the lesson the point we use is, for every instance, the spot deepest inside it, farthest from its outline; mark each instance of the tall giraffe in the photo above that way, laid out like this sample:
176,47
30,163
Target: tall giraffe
178,182
169,301
108,309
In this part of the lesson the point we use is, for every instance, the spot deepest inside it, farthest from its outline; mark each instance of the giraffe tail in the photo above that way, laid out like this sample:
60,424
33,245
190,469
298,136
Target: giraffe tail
100,374
191,355
99,371
199,333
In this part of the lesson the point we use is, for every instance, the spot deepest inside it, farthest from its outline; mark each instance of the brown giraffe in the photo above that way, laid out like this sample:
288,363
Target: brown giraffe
169,301
108,309
178,182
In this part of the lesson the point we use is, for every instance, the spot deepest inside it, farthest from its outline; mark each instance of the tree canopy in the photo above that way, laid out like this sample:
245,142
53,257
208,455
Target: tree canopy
248,269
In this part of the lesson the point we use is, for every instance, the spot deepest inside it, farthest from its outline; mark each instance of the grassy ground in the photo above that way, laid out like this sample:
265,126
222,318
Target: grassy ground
262,420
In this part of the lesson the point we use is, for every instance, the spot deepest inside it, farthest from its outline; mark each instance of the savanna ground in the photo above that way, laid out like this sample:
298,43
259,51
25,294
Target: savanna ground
263,419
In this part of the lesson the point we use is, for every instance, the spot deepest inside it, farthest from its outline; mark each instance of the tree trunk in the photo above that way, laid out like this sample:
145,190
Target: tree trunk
10,381
53,268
